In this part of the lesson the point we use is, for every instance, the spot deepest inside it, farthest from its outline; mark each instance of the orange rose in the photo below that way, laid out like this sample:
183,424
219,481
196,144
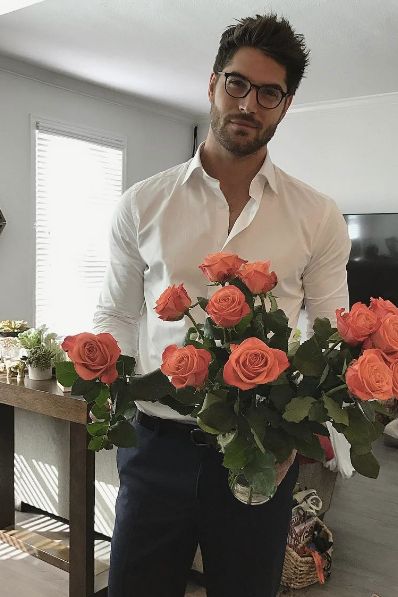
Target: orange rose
173,303
386,336
394,370
93,355
227,306
257,276
219,267
381,307
186,365
356,325
252,363
369,378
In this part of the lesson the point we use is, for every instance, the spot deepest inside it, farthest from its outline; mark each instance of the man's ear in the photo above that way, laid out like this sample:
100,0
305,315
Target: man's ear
212,87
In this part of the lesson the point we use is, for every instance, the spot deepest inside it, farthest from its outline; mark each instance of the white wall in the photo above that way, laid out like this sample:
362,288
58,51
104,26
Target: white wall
347,149
156,140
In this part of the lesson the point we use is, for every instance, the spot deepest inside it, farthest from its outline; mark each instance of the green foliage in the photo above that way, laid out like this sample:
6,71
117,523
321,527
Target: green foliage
40,357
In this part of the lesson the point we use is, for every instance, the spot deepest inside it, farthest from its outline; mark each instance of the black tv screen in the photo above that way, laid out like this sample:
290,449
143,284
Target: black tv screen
372,269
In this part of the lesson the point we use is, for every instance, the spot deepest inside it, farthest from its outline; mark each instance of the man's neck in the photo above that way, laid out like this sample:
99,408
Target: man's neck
229,169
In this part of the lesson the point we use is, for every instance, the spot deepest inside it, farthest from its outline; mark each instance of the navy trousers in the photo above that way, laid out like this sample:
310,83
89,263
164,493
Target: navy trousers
173,495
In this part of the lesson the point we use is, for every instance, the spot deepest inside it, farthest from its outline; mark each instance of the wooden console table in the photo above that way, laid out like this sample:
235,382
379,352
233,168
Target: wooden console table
45,398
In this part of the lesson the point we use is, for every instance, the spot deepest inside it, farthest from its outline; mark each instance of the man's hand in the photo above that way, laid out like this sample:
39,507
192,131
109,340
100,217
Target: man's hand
283,467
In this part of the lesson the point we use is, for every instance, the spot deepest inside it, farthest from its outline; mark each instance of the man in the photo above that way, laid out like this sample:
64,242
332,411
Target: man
229,197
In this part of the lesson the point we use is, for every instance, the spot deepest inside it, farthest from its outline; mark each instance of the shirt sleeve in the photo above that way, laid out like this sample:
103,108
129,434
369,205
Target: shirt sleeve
325,277
122,296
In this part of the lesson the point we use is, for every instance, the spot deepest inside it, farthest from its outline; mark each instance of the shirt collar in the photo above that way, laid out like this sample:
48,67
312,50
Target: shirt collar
266,173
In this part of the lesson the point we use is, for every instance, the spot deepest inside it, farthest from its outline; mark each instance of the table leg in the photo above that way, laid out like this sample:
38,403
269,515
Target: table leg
81,514
7,445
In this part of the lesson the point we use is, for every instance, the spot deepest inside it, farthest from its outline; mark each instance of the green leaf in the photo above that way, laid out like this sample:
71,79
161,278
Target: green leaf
280,396
212,331
293,348
318,412
367,409
324,375
125,365
323,330
277,322
380,408
258,326
150,387
96,429
298,408
360,432
273,303
311,448
309,359
122,434
279,443
182,409
261,473
338,414
188,396
242,286
65,373
103,396
97,443
101,411
244,323
203,302
217,413
88,389
190,331
237,451
365,464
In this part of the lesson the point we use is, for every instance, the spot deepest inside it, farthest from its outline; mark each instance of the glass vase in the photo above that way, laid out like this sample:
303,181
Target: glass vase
244,492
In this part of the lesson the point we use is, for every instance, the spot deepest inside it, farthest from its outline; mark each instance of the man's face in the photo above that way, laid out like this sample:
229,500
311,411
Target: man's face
241,125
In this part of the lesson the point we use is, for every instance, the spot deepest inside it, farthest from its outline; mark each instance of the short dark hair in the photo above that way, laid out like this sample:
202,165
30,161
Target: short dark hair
272,36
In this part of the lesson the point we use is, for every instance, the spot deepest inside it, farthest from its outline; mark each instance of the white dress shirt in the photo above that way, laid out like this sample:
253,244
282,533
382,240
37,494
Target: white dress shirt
164,227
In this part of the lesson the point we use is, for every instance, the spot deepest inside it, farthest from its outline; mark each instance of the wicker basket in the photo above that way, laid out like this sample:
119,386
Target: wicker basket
300,571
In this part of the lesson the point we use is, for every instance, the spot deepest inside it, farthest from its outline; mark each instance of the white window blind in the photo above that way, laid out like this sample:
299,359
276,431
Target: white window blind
78,182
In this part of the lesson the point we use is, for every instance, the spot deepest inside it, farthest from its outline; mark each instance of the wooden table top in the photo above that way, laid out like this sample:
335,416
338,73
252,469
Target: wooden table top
43,397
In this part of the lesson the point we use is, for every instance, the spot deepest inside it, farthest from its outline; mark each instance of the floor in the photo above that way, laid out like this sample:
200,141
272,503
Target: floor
363,519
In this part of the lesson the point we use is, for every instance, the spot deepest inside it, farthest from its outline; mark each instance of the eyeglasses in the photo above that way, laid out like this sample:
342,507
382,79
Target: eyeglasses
268,96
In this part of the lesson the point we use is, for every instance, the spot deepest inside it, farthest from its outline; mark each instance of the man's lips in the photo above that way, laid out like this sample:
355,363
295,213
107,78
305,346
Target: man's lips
244,123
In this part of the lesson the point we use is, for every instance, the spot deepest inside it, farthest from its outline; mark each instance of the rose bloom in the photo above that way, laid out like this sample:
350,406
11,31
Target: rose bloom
186,365
252,363
386,336
219,267
227,306
173,303
381,307
394,370
356,325
257,276
93,355
369,378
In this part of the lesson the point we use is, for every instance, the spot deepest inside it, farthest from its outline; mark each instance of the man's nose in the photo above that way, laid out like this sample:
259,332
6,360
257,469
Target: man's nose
249,103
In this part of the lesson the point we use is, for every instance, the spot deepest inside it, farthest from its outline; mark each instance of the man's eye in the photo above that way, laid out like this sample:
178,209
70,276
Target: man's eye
270,92
237,83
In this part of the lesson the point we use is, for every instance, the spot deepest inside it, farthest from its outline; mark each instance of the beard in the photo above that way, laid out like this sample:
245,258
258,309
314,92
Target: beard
240,143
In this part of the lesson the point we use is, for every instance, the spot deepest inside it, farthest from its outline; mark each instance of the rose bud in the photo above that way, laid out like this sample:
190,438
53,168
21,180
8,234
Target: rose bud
369,378
186,365
173,303
252,363
93,355
227,306
386,336
356,325
220,267
257,277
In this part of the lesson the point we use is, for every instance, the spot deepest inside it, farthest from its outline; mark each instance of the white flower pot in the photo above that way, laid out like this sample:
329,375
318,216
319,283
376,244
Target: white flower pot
39,374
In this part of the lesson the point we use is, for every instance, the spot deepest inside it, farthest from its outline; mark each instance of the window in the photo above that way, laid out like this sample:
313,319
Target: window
78,182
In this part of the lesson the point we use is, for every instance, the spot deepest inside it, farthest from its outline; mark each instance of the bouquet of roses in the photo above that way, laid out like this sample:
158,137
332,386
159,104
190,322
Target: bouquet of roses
258,397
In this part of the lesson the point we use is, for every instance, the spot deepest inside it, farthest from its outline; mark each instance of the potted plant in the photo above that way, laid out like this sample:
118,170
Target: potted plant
39,362
37,338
